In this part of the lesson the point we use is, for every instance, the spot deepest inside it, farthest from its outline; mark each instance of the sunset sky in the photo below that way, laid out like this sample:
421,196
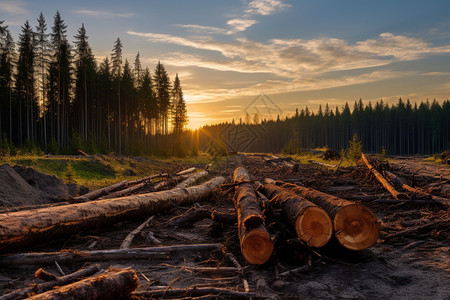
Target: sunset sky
297,53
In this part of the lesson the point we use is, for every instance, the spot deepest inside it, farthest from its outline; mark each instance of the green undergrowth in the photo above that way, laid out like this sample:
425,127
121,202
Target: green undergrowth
102,170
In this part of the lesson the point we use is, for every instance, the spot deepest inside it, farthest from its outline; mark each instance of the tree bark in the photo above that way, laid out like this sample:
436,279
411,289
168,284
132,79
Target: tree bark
23,228
383,181
196,214
190,180
100,192
187,171
71,256
256,245
43,287
114,284
354,225
311,223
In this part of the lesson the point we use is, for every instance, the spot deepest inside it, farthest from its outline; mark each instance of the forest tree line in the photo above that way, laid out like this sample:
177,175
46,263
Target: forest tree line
401,128
55,97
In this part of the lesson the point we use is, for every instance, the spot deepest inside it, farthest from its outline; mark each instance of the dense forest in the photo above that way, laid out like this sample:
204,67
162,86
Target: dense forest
54,97
402,128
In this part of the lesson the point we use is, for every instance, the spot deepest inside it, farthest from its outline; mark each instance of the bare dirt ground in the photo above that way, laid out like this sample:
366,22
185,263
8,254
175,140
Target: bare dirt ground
410,261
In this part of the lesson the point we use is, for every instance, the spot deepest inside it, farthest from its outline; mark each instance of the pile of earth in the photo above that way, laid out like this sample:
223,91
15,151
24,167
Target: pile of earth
21,186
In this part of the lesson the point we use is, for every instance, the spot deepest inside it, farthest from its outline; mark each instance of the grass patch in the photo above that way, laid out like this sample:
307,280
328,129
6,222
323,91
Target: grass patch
105,169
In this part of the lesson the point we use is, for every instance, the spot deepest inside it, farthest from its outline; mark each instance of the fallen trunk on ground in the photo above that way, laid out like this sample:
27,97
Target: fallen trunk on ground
396,194
256,245
354,225
127,191
190,180
114,284
100,192
27,227
43,287
417,192
187,171
311,223
199,213
68,256
216,293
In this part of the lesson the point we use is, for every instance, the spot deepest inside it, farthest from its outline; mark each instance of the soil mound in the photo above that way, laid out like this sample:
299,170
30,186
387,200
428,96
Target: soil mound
15,191
52,187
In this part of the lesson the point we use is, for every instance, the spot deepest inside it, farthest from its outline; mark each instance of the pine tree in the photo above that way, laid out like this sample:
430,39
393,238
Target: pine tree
85,83
355,149
25,84
7,57
148,102
137,71
59,82
42,62
162,89
128,97
179,113
104,91
116,58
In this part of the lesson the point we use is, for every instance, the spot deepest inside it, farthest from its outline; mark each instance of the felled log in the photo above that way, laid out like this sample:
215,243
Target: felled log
196,214
322,164
44,275
311,223
354,225
187,171
127,191
100,192
71,256
219,293
133,186
165,184
286,161
256,245
190,180
396,194
114,284
29,207
28,227
43,287
417,193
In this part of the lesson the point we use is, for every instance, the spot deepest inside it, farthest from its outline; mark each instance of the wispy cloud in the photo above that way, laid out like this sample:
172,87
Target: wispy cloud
204,29
13,7
103,14
297,58
238,25
265,7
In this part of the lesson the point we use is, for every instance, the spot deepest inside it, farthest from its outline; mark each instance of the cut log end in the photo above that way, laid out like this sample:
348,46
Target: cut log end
314,226
257,247
356,227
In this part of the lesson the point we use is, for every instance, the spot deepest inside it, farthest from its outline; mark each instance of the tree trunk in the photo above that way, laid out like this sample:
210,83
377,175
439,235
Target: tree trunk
190,180
72,256
355,226
28,227
312,223
100,192
256,245
114,284
43,287
416,193
383,181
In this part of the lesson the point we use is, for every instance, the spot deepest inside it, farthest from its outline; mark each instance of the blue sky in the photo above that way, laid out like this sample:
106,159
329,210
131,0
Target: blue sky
297,52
